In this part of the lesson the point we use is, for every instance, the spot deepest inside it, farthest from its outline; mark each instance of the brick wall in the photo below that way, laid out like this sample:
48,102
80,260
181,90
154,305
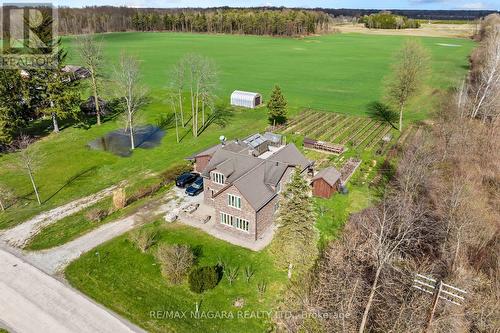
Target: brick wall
246,212
265,216
208,186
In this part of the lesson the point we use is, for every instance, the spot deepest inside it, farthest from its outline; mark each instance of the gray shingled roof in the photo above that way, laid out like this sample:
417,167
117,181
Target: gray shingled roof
292,156
329,175
205,152
232,165
254,177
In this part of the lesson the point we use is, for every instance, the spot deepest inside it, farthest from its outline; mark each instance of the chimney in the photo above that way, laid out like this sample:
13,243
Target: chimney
222,139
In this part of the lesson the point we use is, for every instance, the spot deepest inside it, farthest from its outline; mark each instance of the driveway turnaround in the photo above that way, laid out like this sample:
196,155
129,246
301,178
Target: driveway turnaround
32,301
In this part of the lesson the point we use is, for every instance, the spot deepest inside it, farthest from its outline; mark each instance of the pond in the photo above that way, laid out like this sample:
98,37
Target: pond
118,142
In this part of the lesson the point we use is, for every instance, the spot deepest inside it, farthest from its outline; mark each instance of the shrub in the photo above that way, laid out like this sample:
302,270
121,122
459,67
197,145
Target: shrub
249,272
144,192
231,274
173,172
204,278
175,260
119,198
261,288
96,215
144,238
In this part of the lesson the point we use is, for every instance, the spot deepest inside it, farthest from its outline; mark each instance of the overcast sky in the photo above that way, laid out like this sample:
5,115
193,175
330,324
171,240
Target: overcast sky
375,4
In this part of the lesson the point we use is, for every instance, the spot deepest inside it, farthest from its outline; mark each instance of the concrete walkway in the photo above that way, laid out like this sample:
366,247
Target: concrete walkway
21,234
32,301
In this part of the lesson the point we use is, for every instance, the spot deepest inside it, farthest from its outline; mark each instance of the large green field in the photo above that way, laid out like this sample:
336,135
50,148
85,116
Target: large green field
342,72
339,73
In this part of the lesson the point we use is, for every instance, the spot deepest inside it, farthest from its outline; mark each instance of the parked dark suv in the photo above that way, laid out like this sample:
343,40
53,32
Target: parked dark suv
185,179
196,187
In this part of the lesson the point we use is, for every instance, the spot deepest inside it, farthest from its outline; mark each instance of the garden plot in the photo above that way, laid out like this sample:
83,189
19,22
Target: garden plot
356,132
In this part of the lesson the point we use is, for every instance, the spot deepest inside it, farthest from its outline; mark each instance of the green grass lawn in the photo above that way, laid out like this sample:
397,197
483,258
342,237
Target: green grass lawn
130,283
69,228
340,73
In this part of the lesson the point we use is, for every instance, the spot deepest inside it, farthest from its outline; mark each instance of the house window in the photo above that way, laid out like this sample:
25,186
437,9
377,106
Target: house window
226,219
234,201
235,222
218,178
241,224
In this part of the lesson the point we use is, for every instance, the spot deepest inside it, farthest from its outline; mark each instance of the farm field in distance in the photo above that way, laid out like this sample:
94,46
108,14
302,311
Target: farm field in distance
338,73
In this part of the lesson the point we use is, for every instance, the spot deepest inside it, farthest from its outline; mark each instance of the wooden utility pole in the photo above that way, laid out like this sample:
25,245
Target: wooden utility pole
433,306
439,290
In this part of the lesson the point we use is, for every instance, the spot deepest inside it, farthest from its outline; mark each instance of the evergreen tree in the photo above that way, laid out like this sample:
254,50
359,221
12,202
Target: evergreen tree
295,242
61,93
15,104
57,92
277,107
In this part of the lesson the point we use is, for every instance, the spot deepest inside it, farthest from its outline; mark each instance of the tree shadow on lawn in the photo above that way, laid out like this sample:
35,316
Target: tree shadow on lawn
382,112
221,116
81,175
114,108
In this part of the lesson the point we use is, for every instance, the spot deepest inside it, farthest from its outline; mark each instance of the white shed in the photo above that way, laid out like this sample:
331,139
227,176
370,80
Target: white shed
246,99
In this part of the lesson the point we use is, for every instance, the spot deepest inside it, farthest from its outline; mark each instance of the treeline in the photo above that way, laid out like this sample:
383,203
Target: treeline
255,21
446,15
439,217
387,20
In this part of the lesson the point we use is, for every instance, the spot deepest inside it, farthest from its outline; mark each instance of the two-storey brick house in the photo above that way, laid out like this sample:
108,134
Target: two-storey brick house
243,181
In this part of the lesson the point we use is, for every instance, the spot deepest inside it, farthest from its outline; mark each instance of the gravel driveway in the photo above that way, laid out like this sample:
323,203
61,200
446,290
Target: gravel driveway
20,234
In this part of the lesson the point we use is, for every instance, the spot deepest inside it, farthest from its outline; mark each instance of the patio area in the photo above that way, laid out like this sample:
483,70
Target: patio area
194,212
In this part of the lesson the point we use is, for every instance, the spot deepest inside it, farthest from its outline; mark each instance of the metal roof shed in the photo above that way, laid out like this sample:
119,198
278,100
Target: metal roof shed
246,99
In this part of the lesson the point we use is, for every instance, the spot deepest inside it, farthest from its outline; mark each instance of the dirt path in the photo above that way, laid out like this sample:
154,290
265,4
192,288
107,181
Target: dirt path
21,234
32,301
53,261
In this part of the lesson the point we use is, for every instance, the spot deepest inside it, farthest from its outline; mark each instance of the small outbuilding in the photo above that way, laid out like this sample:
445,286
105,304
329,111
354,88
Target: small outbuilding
246,99
89,106
326,182
75,72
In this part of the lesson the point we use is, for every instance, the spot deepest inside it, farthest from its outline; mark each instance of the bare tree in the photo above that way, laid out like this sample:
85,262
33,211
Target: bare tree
408,75
208,85
27,159
194,63
144,238
90,51
176,261
485,92
201,80
389,233
178,77
127,78
5,196
173,98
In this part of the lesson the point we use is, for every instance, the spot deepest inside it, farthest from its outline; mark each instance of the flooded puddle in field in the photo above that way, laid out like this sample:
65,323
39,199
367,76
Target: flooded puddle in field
118,142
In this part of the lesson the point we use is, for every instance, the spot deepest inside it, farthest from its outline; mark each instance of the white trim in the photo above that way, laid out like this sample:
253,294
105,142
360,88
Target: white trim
217,177
237,200
234,222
